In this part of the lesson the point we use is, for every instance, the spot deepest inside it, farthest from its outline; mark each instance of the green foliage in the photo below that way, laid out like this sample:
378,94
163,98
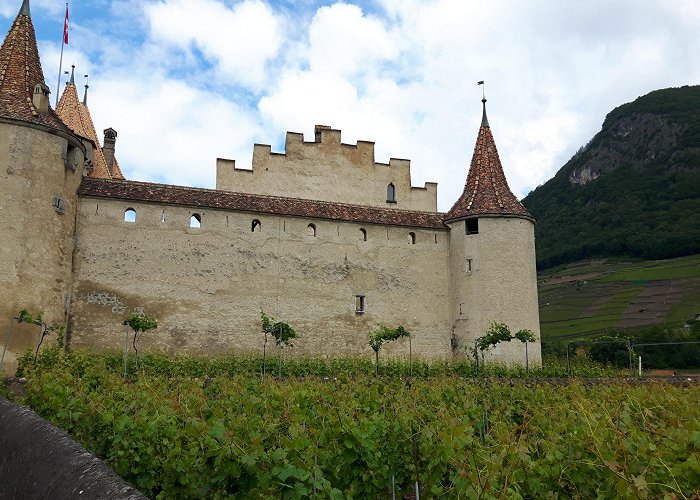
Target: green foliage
644,207
280,331
239,436
25,316
500,332
383,334
140,322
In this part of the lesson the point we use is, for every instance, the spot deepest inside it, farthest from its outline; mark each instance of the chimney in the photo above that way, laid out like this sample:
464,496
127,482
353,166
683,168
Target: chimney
108,148
40,99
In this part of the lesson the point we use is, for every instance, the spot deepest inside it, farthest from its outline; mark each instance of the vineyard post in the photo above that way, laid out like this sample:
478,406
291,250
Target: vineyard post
264,354
7,341
126,347
568,361
410,356
629,352
527,363
476,355
393,487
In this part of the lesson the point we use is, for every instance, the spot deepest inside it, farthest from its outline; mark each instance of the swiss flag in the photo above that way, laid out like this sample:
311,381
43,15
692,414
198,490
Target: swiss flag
65,28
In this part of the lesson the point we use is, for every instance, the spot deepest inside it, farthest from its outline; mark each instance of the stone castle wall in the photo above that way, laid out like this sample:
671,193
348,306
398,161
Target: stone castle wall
37,241
327,170
207,285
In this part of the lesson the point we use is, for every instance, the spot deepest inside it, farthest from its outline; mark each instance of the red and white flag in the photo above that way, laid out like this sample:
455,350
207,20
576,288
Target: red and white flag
65,28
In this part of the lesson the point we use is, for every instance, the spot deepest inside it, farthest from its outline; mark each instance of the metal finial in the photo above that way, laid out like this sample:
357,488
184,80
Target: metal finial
72,74
484,119
86,89
25,10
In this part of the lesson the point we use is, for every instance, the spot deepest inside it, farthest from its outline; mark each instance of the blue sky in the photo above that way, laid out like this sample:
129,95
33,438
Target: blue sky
187,81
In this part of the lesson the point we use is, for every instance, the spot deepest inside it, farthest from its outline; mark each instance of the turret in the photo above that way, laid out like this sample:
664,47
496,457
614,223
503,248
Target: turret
492,257
41,165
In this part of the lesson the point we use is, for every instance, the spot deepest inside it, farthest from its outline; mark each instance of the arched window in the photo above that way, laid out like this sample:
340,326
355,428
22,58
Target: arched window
311,230
391,193
129,215
412,238
363,234
256,226
196,220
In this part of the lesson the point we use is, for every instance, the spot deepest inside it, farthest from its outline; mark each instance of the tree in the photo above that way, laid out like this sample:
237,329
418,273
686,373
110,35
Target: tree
500,332
139,323
280,331
383,334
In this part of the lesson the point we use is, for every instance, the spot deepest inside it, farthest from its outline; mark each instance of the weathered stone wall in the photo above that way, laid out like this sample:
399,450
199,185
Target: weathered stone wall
37,242
327,170
39,461
207,285
501,286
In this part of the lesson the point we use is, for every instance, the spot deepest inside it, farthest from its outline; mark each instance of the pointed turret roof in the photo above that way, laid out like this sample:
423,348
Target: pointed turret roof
486,191
20,71
77,116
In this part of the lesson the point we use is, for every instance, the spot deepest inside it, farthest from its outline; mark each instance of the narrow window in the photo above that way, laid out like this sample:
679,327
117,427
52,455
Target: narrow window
129,215
436,238
162,216
363,234
58,204
470,263
196,220
256,226
472,226
412,238
391,193
359,303
311,230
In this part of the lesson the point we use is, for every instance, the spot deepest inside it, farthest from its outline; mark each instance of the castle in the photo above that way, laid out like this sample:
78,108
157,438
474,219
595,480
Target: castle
321,236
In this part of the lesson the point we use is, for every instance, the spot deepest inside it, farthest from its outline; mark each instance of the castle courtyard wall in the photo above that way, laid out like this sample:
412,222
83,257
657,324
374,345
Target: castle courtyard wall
207,285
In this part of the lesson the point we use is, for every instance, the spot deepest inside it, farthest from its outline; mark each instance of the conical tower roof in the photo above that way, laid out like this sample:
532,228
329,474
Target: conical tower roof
77,116
20,71
486,191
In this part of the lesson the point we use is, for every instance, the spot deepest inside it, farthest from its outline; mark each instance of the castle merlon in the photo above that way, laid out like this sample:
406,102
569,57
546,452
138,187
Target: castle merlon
486,191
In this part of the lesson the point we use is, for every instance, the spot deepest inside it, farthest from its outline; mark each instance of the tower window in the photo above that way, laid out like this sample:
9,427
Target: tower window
391,193
196,221
360,303
363,234
470,265
412,238
311,230
472,226
58,204
129,215
256,226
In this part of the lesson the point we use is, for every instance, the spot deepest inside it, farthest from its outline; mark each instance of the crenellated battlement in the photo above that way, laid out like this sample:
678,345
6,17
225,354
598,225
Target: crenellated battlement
326,169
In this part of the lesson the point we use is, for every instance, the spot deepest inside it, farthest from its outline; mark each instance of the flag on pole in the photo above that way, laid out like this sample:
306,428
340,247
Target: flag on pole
478,83
65,28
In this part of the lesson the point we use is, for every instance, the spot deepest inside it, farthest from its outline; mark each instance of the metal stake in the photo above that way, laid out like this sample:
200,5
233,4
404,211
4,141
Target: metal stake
7,341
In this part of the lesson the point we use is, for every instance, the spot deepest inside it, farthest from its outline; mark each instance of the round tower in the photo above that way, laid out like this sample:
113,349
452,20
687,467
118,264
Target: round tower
492,258
41,165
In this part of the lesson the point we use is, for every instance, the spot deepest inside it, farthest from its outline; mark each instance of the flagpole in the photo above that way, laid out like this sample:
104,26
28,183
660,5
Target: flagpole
60,64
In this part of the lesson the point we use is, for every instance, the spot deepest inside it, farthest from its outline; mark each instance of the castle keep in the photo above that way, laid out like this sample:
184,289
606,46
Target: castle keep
321,236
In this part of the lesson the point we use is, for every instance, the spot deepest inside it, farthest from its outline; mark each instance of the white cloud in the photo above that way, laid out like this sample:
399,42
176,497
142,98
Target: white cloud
239,41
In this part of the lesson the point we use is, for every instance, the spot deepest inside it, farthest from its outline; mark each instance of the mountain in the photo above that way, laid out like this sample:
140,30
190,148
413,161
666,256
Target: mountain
632,191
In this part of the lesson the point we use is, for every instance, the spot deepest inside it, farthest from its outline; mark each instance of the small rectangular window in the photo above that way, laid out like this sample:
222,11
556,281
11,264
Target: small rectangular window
359,303
470,263
472,226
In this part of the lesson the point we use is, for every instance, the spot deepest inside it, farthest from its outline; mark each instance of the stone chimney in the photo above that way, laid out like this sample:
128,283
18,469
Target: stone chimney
108,148
40,99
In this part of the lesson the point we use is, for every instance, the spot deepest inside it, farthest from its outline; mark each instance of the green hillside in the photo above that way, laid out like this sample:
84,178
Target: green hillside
633,191
594,297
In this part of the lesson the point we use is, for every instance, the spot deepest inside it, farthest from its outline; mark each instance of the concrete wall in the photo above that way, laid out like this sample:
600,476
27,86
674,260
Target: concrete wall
207,285
502,285
37,242
327,170
39,461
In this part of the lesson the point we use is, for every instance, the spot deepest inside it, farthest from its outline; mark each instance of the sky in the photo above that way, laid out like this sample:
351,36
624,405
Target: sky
185,82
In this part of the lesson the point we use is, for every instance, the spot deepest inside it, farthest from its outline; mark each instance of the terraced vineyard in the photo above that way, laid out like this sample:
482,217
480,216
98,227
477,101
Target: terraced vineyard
592,297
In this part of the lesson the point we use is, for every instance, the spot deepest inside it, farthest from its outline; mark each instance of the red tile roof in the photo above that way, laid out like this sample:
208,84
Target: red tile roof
20,71
225,200
77,116
486,191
